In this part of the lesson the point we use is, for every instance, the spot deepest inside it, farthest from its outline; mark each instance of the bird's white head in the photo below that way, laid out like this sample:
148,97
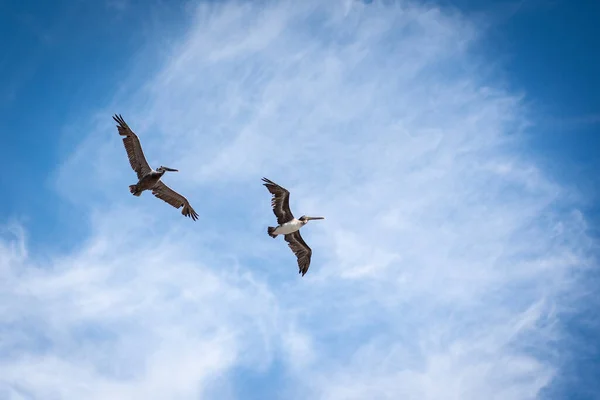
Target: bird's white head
162,169
304,219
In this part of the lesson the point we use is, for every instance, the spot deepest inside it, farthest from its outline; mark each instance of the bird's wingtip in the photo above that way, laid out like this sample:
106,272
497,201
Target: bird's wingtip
119,119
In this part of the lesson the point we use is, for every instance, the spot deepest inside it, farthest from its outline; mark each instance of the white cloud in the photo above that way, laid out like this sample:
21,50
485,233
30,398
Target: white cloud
437,274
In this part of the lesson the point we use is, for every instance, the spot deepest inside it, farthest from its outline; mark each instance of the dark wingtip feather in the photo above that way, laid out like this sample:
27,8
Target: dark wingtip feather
188,211
269,182
273,187
122,124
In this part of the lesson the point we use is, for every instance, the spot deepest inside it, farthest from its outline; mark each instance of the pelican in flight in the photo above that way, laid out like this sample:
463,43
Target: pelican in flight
289,226
148,178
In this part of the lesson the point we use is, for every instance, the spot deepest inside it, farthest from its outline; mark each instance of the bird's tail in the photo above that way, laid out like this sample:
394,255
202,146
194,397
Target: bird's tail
270,231
134,190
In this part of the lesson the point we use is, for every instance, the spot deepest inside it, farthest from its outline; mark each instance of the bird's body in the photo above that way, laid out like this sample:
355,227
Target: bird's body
146,182
289,226
148,178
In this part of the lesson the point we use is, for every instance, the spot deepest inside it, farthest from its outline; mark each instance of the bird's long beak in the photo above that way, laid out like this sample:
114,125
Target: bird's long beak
309,218
170,169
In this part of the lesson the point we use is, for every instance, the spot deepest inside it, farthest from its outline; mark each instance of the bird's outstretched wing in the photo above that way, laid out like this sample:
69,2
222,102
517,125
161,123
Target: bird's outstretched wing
300,249
280,201
170,196
133,147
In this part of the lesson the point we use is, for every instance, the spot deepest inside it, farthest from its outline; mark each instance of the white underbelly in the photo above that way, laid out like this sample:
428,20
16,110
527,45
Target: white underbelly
288,227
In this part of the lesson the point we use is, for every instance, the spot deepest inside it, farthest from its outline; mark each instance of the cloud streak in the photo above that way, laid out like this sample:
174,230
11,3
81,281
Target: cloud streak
440,271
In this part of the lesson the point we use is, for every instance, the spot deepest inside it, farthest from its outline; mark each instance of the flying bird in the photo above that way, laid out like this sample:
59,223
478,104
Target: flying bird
289,226
148,178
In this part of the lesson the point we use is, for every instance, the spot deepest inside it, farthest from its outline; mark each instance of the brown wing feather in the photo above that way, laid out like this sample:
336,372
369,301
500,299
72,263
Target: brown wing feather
300,249
170,196
133,147
280,201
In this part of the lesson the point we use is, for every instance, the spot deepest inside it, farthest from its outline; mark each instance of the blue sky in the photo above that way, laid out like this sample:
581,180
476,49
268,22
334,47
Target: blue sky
452,146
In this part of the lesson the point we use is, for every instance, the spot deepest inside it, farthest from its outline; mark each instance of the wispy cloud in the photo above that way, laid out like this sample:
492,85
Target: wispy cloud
438,273
567,123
